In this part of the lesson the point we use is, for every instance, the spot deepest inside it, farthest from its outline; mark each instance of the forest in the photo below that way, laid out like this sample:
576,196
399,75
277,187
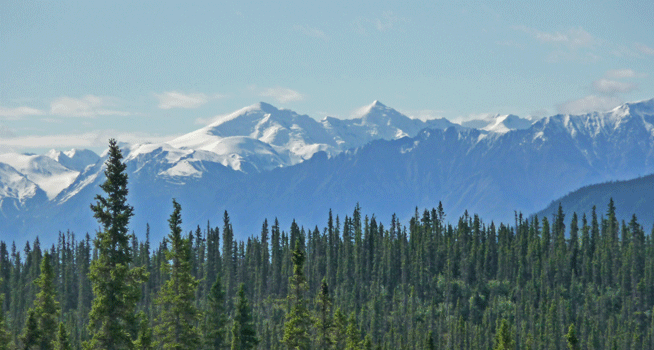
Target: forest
564,282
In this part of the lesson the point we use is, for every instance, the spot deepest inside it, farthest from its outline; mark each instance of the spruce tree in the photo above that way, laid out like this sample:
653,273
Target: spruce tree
216,317
503,338
46,306
338,334
296,328
145,339
5,337
429,341
353,336
571,338
176,322
116,284
323,320
244,335
62,339
31,336
41,327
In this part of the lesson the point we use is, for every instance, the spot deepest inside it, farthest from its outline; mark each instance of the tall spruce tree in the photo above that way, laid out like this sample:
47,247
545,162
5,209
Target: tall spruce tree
298,320
571,338
178,316
62,339
5,337
41,328
31,335
145,339
116,284
323,320
503,338
244,335
46,305
215,317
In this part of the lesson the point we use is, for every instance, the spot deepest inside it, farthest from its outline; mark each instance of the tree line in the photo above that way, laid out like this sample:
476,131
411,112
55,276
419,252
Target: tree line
563,282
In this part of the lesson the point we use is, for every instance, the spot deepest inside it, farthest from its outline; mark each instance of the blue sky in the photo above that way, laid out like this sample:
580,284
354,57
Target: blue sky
74,73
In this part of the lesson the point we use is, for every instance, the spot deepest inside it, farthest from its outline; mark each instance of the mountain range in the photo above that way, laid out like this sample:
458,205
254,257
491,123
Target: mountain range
263,162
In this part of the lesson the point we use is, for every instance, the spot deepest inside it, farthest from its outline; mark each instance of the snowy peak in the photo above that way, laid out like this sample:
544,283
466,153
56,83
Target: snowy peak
74,159
51,176
14,184
645,107
499,123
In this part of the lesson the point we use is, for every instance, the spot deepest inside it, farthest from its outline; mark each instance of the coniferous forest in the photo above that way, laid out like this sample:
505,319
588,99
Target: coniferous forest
354,282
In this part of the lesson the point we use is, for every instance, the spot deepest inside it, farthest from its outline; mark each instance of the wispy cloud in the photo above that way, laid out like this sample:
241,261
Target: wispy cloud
87,106
387,21
623,73
424,114
19,112
642,48
606,86
574,44
176,99
282,95
311,31
95,139
573,37
588,104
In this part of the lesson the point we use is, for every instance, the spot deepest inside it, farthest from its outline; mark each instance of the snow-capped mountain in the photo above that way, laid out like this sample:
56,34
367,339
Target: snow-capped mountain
499,123
50,175
74,159
261,137
263,162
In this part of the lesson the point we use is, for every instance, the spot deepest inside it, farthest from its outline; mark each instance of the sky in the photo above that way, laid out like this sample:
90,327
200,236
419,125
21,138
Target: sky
76,73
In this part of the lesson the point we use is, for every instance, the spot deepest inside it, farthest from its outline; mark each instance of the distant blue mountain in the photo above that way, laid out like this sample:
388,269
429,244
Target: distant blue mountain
392,169
631,197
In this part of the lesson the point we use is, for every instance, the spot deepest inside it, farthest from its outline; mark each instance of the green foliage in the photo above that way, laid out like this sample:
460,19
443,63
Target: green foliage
353,337
429,342
244,335
339,331
178,314
298,320
41,327
32,334
62,342
503,338
215,318
430,284
571,338
323,322
145,339
5,337
116,284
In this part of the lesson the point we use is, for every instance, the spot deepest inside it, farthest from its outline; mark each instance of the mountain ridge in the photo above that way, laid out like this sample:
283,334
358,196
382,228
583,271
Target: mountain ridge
490,173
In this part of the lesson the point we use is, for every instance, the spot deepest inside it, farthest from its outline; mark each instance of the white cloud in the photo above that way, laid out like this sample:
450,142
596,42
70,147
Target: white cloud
622,73
311,32
87,106
175,99
573,38
606,86
386,22
424,114
590,103
282,94
96,139
19,112
645,49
